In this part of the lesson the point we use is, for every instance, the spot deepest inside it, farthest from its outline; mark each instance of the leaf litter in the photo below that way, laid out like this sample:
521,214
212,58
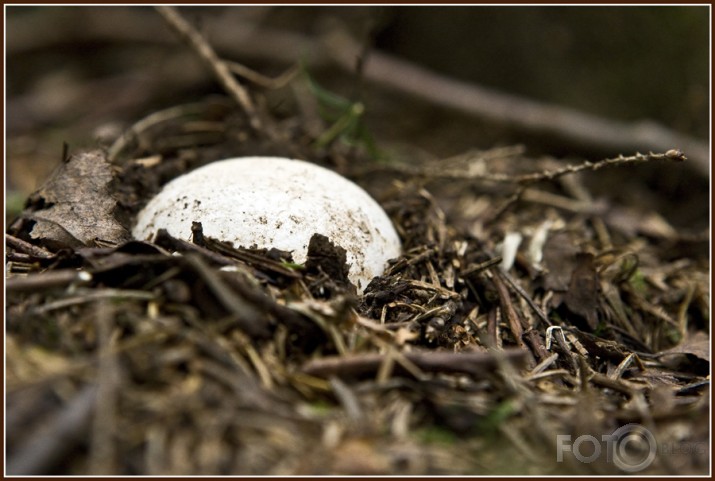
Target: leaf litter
469,355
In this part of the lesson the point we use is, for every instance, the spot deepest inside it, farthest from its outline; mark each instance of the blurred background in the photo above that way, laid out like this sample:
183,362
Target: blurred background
81,75
622,62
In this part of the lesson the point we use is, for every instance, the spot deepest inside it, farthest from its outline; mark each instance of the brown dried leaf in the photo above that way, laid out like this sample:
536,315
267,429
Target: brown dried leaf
560,260
76,204
697,345
582,295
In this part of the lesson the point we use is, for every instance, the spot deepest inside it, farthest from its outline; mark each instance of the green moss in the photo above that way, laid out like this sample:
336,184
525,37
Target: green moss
489,425
436,435
637,282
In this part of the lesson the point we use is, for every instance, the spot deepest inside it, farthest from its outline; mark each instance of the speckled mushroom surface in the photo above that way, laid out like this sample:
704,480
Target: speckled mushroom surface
275,202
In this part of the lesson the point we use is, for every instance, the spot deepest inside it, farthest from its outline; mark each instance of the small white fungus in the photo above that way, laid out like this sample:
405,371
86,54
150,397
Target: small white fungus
275,202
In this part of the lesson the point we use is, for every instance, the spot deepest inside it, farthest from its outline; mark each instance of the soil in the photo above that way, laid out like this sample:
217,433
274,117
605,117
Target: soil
192,356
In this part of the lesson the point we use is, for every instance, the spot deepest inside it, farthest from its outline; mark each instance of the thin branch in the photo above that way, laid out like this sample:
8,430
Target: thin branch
54,438
136,131
27,248
478,364
261,80
89,295
102,448
249,317
524,295
464,172
514,320
56,279
671,155
221,69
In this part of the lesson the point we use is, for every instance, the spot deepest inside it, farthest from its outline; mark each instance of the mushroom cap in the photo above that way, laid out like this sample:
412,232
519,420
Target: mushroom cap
266,202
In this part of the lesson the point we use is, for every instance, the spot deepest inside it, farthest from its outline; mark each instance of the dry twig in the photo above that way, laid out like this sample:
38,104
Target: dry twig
103,452
514,320
247,315
261,80
55,438
477,364
27,248
523,180
221,69
46,280
154,119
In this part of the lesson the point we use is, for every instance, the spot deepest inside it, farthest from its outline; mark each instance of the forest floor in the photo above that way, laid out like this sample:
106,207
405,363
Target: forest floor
529,318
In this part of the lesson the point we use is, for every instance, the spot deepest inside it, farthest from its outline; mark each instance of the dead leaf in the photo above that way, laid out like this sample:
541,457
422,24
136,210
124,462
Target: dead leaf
76,204
697,345
560,260
582,295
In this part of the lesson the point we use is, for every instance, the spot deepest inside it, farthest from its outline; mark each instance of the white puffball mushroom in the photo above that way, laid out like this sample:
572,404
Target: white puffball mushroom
275,202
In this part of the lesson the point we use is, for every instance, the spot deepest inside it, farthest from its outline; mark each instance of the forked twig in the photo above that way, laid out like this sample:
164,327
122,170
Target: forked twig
261,80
